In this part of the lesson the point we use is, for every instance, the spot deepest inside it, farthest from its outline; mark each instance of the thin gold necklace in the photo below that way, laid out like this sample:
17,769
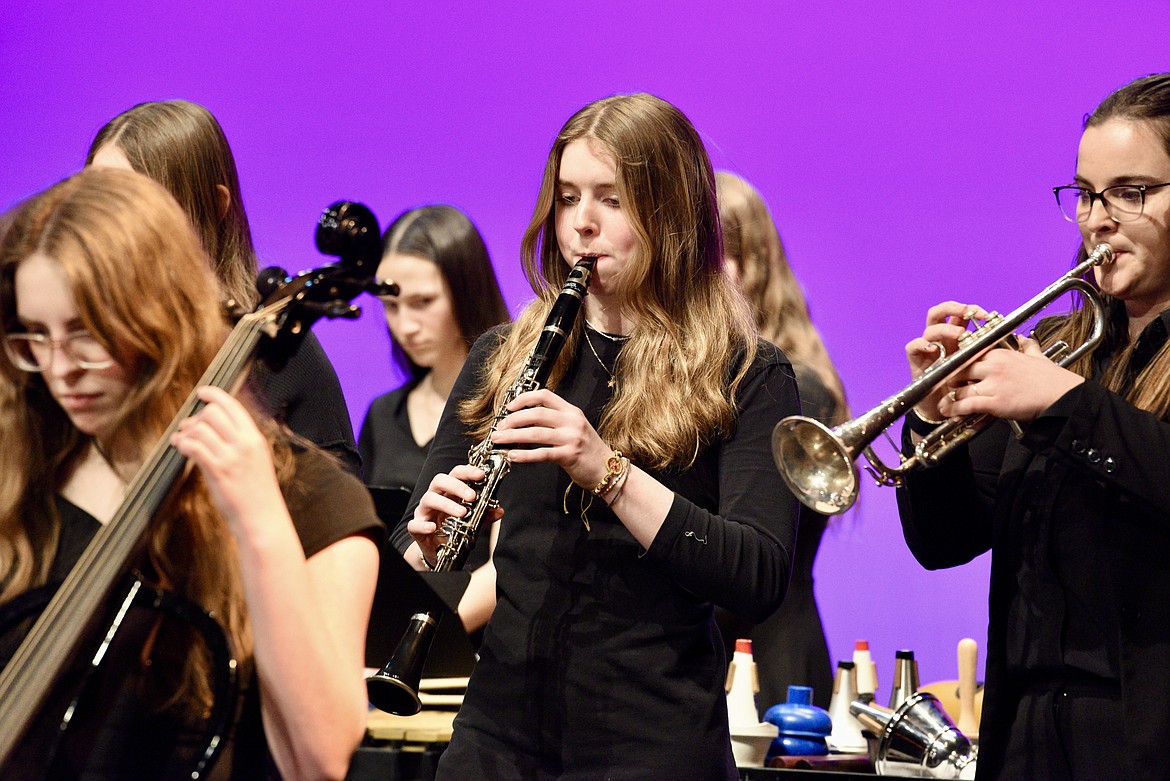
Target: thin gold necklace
101,451
621,338
612,379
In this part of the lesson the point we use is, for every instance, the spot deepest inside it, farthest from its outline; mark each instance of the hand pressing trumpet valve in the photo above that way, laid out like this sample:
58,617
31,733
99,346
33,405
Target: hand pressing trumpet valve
817,463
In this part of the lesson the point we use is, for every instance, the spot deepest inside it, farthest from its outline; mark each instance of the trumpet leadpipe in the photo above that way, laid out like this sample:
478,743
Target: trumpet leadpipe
817,463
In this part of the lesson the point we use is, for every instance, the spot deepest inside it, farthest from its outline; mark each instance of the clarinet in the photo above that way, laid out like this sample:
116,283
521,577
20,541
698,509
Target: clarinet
394,689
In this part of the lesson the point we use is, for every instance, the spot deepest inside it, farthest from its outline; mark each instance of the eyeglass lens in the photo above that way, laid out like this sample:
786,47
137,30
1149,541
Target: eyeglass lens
1123,203
34,352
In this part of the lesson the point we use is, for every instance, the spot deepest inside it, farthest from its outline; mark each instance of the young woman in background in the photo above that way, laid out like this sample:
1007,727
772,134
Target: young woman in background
181,146
790,647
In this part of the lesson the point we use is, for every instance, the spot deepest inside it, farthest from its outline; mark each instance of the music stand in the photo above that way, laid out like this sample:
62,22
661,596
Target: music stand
402,592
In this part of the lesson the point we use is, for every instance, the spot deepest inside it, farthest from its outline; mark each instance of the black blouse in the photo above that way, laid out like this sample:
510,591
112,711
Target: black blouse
305,394
1077,516
390,455
601,655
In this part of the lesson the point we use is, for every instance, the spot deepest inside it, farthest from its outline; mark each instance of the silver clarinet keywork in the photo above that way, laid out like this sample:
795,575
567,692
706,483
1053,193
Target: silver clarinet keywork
395,688
461,533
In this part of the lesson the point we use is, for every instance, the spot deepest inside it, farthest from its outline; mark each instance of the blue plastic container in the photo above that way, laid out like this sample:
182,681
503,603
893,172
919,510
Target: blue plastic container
803,726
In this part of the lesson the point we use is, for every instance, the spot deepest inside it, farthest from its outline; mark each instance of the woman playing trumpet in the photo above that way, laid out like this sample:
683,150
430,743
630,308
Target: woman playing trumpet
1076,511
641,492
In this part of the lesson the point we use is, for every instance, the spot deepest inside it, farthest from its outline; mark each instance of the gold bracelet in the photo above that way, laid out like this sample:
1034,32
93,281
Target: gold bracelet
615,467
616,491
423,558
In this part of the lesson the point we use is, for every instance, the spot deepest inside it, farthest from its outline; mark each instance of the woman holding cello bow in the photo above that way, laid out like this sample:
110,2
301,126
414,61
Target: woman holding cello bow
110,315
1076,511
641,492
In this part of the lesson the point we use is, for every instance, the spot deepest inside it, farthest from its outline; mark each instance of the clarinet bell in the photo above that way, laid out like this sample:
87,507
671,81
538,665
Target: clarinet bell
394,688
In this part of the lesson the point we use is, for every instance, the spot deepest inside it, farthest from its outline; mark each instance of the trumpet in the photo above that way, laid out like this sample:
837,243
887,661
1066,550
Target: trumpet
394,688
817,463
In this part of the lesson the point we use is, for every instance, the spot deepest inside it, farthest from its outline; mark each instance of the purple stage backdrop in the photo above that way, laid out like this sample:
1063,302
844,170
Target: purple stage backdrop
906,148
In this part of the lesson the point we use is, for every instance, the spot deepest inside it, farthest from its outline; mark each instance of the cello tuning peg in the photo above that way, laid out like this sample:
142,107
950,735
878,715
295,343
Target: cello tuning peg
342,309
380,287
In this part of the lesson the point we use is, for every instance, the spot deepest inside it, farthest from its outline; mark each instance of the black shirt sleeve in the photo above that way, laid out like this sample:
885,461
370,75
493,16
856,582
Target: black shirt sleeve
449,447
740,558
306,395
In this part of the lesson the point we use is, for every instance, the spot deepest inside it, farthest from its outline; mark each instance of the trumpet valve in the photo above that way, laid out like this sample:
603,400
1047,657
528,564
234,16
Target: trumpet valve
993,319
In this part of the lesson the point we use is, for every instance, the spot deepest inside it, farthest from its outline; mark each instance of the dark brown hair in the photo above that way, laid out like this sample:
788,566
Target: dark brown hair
446,236
181,146
1145,100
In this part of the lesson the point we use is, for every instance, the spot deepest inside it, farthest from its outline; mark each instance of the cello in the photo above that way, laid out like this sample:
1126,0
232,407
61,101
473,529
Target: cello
48,686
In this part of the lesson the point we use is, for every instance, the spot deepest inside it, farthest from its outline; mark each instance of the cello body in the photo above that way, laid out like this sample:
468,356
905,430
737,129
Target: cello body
108,715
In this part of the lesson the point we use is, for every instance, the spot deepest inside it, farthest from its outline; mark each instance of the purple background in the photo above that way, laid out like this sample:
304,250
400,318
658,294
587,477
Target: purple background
906,148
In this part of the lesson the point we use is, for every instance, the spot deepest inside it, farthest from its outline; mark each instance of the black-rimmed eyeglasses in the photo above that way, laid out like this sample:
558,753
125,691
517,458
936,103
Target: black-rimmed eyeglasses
1123,202
34,352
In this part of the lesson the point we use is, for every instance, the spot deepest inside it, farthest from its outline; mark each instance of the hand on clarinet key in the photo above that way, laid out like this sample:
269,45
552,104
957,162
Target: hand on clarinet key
552,429
444,499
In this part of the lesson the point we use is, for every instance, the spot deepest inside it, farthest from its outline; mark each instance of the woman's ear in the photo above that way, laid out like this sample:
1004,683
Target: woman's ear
223,197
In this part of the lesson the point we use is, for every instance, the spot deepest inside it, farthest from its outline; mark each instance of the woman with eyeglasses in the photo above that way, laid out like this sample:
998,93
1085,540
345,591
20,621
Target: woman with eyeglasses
111,314
1076,511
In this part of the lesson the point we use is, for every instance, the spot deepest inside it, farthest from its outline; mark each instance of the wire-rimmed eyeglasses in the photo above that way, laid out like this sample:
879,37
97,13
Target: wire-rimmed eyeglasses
1123,202
34,352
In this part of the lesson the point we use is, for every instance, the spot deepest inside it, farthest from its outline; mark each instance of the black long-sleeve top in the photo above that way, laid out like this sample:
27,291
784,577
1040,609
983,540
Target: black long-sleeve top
601,655
305,394
1077,516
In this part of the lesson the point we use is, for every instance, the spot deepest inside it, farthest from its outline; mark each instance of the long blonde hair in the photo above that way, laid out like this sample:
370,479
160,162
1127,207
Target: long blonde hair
751,239
694,339
145,289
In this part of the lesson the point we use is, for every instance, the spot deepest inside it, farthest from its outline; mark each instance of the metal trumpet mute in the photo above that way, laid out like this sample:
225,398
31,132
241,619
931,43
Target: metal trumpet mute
817,462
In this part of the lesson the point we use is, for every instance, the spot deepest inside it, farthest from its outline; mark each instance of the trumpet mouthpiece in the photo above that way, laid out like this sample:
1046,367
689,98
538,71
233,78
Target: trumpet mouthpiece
1102,254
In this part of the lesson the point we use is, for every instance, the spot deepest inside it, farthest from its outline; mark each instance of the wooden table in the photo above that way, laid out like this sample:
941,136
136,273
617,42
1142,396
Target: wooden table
407,748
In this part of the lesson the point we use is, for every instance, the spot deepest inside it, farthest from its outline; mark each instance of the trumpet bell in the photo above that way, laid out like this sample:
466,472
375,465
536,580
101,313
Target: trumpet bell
815,464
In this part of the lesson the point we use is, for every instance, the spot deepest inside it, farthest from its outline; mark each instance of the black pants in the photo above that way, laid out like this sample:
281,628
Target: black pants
1067,732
